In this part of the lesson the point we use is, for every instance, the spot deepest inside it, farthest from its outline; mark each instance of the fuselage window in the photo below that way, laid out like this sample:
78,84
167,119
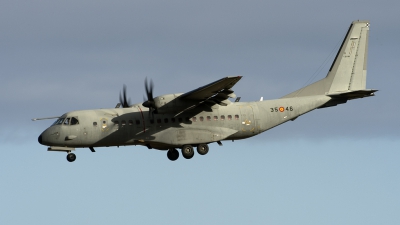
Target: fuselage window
74,121
138,122
104,124
173,120
236,117
123,122
229,117
95,124
66,121
201,118
208,118
166,120
194,119
130,122
158,120
222,117
115,122
215,118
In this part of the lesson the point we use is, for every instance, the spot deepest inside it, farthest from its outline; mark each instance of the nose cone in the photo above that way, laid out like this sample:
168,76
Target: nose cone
40,139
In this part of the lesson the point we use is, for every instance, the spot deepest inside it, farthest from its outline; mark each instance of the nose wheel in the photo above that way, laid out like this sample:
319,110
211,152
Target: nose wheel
71,157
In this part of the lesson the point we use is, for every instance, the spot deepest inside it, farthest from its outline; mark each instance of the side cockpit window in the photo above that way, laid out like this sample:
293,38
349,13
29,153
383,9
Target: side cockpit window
66,121
74,121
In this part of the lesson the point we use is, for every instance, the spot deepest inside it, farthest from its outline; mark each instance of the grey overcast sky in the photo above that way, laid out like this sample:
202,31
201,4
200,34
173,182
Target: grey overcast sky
337,165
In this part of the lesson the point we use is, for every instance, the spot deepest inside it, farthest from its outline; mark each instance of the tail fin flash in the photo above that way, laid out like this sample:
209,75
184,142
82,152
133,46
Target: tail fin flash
348,73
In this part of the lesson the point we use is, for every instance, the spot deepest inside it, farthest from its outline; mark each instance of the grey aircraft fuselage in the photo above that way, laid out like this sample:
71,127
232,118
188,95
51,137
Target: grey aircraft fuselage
134,126
205,115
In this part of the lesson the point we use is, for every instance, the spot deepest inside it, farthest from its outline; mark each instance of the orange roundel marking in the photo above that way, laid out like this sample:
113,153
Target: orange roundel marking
281,109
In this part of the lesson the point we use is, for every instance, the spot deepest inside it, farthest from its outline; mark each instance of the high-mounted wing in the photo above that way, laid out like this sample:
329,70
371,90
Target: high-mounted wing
208,95
219,90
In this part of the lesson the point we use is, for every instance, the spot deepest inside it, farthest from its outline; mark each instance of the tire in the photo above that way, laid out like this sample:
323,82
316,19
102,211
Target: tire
202,149
173,154
71,157
187,151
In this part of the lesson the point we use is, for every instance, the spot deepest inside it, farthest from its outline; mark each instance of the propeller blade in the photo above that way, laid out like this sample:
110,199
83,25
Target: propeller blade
122,98
149,86
149,89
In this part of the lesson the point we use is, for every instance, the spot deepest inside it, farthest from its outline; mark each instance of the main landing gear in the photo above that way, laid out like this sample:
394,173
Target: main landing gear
187,152
202,149
173,154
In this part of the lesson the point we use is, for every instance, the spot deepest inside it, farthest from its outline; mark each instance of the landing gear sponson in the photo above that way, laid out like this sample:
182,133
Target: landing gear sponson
187,152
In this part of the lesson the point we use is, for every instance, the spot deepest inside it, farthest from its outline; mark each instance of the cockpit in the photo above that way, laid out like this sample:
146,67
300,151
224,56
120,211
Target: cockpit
66,121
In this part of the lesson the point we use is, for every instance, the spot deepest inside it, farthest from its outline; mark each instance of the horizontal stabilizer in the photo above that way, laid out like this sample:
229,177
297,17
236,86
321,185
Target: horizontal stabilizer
353,94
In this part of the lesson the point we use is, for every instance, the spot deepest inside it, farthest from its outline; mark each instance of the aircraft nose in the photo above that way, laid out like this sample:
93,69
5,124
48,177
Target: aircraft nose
40,139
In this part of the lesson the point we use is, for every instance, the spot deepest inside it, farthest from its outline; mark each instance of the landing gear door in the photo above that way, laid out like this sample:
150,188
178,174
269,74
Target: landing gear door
248,123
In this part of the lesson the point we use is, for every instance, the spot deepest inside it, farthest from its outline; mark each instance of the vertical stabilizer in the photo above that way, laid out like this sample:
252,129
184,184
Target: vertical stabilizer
348,72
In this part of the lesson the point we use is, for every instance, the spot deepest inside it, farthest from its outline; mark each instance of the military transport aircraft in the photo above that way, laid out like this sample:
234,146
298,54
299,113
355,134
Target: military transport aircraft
205,115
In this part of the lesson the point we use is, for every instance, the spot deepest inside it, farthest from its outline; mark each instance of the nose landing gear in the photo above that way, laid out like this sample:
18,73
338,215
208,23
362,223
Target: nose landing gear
71,157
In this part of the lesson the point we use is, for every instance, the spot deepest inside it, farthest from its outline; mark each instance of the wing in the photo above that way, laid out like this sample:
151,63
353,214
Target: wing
208,95
218,90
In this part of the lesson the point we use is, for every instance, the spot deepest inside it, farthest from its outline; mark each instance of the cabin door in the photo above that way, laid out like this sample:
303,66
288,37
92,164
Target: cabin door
248,123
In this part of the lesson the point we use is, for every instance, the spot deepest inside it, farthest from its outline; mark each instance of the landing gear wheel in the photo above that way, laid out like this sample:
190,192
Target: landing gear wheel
173,154
71,157
187,151
202,149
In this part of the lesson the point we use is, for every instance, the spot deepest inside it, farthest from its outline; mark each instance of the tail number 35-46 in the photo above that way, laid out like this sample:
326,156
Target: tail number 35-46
281,109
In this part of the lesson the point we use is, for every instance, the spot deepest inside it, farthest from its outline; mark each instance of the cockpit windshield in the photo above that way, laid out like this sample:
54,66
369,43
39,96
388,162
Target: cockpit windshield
58,122
67,121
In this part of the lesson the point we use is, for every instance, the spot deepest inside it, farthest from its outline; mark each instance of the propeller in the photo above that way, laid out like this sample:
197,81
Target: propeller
149,103
122,98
